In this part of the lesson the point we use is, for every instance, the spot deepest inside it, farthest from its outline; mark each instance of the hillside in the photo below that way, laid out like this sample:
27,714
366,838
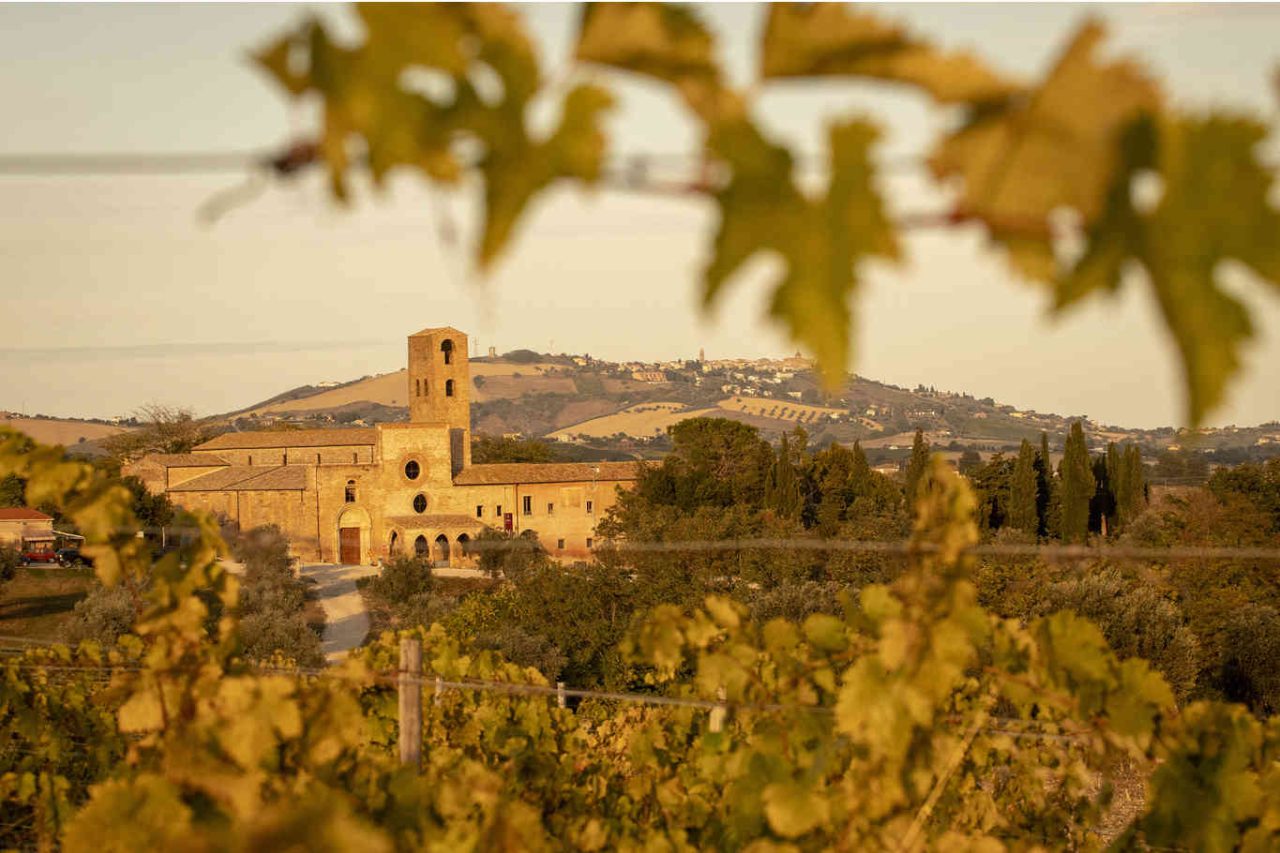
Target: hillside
628,407
64,431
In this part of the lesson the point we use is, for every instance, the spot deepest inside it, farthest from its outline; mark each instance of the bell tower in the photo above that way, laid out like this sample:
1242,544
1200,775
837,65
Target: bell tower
440,387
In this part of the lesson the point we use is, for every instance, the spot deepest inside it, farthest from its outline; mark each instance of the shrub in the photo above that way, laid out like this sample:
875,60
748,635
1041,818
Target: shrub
402,580
272,600
10,561
1137,620
1250,672
105,615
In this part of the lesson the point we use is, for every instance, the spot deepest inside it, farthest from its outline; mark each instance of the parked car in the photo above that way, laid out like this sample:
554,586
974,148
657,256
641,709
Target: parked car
69,557
38,552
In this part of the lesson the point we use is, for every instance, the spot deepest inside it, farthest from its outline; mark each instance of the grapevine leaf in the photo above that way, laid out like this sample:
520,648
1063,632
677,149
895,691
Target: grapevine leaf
1214,208
274,59
1056,147
516,168
793,808
820,241
427,34
661,40
830,39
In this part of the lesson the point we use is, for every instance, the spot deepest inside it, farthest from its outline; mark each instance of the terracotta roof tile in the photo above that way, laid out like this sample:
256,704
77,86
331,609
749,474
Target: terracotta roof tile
434,520
246,478
291,438
183,460
22,513
547,472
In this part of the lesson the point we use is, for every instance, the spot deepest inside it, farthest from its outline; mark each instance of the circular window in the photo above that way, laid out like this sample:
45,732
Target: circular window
412,469
420,503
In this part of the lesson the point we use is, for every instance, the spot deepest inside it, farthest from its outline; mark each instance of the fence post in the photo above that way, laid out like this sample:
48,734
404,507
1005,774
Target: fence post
409,689
559,694
716,723
435,698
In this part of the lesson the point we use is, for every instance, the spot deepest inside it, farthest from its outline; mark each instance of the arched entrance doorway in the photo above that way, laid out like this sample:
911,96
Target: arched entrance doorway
393,549
420,546
353,536
464,546
441,554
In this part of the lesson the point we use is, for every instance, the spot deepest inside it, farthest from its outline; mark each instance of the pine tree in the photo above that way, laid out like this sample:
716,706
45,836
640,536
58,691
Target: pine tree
1044,489
1077,485
916,466
1023,514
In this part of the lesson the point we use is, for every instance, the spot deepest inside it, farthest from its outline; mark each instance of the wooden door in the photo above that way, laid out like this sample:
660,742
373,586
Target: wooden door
349,545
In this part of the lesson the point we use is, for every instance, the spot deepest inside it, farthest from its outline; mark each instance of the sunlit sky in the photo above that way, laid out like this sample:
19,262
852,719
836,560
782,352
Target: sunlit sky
115,296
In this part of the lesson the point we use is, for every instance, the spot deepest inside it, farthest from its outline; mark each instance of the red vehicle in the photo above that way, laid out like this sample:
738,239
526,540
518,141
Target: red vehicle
39,551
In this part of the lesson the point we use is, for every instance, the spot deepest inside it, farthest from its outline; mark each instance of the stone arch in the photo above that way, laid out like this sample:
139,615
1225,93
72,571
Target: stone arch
464,546
395,544
446,347
420,547
440,551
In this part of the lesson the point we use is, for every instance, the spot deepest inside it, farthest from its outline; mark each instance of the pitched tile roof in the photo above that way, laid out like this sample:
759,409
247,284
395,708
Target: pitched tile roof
436,520
183,460
22,513
246,478
547,472
291,438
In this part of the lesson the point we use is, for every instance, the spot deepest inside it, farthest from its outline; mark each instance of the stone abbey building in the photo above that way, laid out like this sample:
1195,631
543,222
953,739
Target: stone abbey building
362,495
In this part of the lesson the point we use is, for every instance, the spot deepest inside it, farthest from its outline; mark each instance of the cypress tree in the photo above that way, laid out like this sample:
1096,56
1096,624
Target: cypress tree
916,467
1132,497
1023,514
782,492
1044,487
1077,487
860,473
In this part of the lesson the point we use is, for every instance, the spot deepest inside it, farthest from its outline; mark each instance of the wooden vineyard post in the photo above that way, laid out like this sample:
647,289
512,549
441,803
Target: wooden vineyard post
560,694
409,688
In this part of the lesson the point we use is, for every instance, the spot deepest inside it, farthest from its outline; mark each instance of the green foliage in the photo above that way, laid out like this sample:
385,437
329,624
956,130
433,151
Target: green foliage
1259,483
1136,619
402,579
104,616
10,561
882,722
487,449
917,464
11,492
1077,486
272,624
1022,514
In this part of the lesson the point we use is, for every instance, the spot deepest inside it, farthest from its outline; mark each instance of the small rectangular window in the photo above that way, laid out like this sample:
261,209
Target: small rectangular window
528,505
355,457
590,507
560,544
590,541
550,507
479,511
497,511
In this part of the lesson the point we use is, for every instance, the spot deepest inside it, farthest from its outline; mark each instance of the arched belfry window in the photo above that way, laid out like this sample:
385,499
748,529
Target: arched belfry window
448,387
447,349
350,495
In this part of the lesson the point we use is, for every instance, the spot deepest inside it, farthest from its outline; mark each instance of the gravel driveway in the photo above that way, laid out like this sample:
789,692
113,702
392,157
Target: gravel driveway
346,622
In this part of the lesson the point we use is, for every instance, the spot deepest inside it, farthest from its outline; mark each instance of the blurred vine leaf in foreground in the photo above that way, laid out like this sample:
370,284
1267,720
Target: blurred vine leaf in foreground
1042,166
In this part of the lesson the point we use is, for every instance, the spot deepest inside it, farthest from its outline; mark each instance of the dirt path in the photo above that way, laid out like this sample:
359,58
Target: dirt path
346,622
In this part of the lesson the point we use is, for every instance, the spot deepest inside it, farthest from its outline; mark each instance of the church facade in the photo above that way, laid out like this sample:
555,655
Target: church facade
365,495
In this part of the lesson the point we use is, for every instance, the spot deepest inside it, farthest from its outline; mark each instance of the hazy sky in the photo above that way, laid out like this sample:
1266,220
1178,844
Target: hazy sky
289,289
